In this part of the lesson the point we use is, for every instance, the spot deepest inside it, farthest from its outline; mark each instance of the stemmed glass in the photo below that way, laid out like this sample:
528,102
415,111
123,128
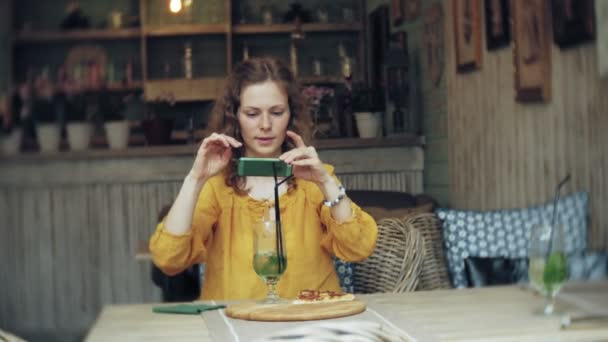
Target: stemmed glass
269,258
548,267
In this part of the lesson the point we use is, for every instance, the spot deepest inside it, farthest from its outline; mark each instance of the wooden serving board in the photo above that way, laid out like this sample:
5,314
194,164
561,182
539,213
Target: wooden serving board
294,312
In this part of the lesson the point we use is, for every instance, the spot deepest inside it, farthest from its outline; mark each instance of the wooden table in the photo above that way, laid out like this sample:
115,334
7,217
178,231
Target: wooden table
484,314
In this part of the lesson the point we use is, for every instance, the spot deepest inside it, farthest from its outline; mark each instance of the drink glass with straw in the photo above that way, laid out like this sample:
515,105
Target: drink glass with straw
548,262
270,260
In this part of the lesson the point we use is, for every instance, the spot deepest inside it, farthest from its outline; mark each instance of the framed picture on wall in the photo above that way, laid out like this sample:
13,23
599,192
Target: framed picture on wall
498,28
467,34
601,16
532,51
573,22
396,12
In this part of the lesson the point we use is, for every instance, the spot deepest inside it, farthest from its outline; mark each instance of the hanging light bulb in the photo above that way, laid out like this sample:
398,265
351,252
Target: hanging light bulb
175,6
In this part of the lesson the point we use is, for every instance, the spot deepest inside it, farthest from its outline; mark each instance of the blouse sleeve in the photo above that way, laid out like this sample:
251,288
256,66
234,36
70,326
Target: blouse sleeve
174,253
351,240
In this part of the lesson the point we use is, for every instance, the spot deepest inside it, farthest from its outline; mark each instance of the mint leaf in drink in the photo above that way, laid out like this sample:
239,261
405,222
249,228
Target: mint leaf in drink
556,270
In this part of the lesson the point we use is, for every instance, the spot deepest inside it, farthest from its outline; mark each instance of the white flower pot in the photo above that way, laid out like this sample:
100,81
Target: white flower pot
368,124
49,137
79,135
11,144
117,133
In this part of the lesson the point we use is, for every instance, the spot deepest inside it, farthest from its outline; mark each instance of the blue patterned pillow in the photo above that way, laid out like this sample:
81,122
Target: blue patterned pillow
504,233
345,271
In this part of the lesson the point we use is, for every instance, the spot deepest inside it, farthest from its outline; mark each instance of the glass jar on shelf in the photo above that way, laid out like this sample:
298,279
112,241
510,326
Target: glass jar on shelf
188,72
267,15
317,66
347,63
322,15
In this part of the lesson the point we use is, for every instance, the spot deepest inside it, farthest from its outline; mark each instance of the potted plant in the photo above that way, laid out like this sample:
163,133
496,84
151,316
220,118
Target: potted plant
321,101
78,111
39,99
10,130
367,104
158,125
117,127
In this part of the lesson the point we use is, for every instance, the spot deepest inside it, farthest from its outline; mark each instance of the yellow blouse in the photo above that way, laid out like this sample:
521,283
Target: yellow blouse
222,237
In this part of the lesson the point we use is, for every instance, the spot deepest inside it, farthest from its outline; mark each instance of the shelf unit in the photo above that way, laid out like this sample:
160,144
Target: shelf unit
200,87
229,31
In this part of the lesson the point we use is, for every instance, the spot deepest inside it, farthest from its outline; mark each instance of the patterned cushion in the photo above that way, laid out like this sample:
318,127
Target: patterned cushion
504,233
345,271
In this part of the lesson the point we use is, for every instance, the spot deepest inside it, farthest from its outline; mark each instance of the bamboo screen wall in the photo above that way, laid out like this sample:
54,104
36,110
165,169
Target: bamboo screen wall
503,154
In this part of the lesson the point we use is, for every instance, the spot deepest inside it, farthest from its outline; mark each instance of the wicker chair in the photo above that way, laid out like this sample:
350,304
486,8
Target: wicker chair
396,263
434,274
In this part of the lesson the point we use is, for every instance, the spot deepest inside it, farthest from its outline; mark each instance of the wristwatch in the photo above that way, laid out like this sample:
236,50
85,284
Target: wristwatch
335,201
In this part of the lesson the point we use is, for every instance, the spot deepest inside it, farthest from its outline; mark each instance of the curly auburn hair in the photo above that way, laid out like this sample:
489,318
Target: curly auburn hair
224,117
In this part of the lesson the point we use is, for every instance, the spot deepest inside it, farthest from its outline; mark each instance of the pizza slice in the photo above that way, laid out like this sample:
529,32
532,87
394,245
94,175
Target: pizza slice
315,297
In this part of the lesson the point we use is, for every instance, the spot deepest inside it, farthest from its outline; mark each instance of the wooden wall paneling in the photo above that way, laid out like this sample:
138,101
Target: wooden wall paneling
503,154
5,266
139,281
60,279
17,295
489,161
135,290
133,293
75,234
34,222
93,212
144,225
477,143
66,269
28,257
11,236
8,255
388,181
25,259
88,253
100,211
118,243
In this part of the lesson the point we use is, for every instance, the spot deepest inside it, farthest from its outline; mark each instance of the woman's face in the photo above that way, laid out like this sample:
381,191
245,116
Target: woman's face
263,119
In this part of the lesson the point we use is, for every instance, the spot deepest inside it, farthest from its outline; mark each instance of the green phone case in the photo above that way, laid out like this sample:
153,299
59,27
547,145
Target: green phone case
262,167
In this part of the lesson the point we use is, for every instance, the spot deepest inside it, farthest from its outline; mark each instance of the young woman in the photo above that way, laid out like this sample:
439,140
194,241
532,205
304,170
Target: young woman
261,114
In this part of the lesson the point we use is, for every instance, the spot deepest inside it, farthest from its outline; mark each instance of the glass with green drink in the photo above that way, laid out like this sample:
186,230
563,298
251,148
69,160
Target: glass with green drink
269,258
548,268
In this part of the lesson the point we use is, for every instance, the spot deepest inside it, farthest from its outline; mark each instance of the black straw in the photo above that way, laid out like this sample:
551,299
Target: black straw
277,216
554,216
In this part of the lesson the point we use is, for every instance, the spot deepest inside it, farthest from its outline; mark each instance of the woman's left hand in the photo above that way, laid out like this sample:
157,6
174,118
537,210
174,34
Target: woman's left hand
305,161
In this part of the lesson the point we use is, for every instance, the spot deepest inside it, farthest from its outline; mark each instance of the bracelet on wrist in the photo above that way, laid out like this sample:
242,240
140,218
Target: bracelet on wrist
335,201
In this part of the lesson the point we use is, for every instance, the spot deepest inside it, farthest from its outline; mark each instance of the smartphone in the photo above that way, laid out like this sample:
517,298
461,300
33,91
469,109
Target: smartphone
262,167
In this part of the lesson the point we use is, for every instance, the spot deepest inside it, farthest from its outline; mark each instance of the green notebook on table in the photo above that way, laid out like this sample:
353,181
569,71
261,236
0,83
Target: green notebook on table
186,309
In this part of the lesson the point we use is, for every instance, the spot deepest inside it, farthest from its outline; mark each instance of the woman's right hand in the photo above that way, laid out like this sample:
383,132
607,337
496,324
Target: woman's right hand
213,155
